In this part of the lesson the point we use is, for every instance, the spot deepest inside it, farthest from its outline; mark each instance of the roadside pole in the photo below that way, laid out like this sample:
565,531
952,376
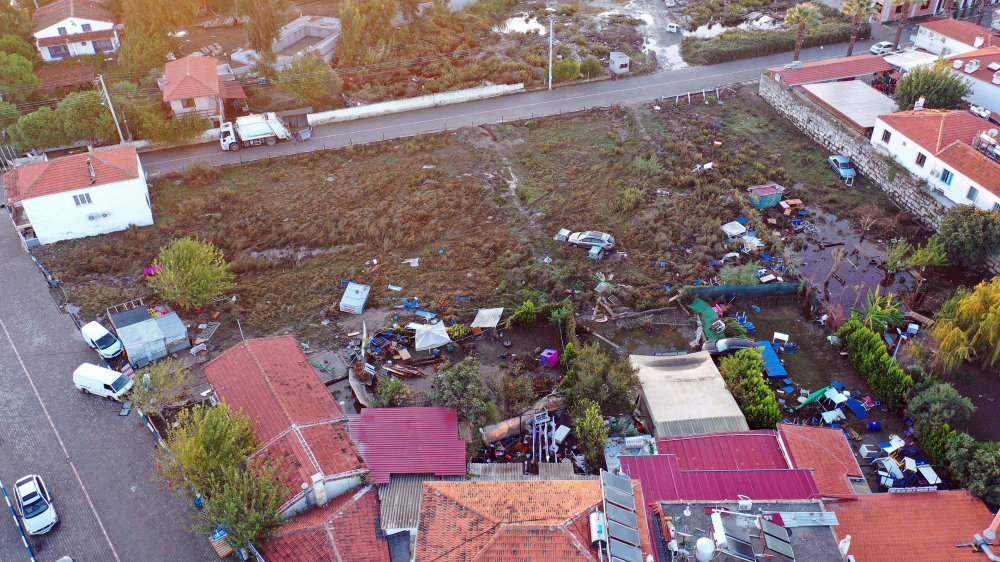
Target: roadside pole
551,39
24,539
107,96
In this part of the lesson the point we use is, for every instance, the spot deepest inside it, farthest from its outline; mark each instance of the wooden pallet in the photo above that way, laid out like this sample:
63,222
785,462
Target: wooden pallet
207,333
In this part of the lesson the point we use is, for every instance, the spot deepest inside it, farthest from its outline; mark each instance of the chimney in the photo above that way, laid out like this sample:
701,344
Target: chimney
319,489
978,41
91,172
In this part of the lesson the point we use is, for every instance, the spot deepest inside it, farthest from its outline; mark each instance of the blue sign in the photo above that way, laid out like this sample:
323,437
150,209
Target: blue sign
219,533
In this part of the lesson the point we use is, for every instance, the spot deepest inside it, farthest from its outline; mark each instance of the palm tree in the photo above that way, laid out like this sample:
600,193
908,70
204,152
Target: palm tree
858,10
948,8
981,4
880,313
904,6
807,17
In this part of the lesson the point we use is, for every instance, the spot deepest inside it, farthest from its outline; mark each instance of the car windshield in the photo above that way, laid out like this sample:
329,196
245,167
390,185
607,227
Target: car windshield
37,506
106,341
721,346
120,383
846,165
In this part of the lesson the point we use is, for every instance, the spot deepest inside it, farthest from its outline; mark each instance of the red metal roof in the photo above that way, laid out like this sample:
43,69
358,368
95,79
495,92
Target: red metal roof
190,77
922,527
111,165
832,69
409,441
825,451
54,76
962,31
76,37
231,90
725,451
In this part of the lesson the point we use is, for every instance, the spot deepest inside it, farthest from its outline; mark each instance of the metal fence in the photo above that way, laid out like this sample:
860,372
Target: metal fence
735,292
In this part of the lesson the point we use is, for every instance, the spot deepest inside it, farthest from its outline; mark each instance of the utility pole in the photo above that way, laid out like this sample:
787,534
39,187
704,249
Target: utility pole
107,96
551,39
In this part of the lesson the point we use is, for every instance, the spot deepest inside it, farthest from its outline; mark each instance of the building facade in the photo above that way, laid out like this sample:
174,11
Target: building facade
72,28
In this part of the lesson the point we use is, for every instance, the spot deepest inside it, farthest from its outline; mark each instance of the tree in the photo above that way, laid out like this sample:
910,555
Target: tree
593,375
734,275
159,384
859,11
527,315
366,30
460,386
935,403
17,78
390,393
948,9
149,121
983,7
410,9
984,473
246,501
83,116
267,17
513,393
590,67
592,434
879,313
142,50
807,17
744,375
969,234
204,443
162,16
14,45
968,325
14,20
191,272
38,129
895,255
310,80
932,254
565,69
940,88
935,441
904,7
8,115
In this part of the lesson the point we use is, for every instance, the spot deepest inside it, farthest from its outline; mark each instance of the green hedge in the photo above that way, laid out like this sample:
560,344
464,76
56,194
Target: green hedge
736,44
744,375
869,355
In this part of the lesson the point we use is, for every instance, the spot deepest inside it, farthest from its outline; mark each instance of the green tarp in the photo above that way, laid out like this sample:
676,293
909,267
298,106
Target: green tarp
708,316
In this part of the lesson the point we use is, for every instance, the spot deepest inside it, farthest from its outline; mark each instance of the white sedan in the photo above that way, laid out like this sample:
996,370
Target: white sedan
881,48
38,514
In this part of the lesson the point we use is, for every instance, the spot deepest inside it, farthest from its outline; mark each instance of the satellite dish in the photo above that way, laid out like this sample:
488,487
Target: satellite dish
992,132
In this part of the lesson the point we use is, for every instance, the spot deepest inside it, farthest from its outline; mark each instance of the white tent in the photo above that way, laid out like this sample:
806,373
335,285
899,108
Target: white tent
733,228
430,336
487,318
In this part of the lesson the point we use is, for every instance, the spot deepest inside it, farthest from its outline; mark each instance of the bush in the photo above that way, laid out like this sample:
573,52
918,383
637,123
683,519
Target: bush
969,234
566,69
647,166
199,173
527,315
191,272
746,275
937,403
870,357
592,434
744,375
459,331
595,376
590,67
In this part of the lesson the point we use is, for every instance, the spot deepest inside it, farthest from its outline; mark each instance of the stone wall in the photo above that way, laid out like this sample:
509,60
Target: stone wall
905,192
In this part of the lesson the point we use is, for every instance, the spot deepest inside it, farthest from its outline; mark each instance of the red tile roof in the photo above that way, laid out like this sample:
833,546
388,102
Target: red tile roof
832,69
231,90
76,38
923,527
190,77
64,75
70,173
344,530
934,129
985,57
973,164
826,452
409,441
533,521
53,13
962,31
293,416
725,451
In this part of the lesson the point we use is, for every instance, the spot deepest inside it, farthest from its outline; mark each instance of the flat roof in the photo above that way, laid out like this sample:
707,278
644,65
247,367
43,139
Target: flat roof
908,60
853,101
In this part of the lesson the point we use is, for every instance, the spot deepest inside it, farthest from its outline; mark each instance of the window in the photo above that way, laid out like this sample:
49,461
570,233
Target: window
972,194
886,135
103,46
921,159
82,199
187,103
946,176
58,52
899,10
996,207
61,30
85,27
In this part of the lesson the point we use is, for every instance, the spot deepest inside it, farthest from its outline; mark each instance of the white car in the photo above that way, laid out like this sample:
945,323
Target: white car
34,504
589,239
881,48
103,341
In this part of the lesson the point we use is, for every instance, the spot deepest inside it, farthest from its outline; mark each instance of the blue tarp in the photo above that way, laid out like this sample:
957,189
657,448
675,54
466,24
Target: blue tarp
772,364
858,409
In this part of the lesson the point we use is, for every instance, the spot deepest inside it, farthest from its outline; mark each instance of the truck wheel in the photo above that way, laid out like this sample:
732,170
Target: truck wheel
271,141
234,146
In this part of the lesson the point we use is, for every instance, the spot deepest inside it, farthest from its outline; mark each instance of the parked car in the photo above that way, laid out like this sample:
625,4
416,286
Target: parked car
881,48
103,341
842,165
727,345
101,381
34,504
590,239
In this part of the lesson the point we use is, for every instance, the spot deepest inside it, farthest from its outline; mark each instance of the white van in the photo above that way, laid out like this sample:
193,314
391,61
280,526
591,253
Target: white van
99,338
101,381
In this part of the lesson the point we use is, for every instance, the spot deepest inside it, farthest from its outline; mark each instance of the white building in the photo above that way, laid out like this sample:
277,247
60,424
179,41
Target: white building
96,192
199,84
70,28
953,37
937,146
982,69
305,34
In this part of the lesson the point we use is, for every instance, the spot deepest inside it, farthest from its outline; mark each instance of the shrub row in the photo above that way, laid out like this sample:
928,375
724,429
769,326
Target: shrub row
869,355
744,375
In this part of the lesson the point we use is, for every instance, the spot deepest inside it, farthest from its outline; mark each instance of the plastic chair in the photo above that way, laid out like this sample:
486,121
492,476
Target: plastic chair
874,426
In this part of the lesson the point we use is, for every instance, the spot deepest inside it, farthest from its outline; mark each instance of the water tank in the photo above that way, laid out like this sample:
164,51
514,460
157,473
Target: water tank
704,549
598,529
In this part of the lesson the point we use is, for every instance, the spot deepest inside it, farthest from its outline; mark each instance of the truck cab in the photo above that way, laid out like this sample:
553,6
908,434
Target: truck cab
227,137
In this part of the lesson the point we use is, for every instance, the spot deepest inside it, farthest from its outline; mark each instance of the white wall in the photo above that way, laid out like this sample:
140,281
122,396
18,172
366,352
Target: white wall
937,43
905,152
984,94
56,217
74,26
207,105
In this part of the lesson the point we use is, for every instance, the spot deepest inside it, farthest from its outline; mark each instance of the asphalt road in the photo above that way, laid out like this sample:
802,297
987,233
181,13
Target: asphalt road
495,110
97,464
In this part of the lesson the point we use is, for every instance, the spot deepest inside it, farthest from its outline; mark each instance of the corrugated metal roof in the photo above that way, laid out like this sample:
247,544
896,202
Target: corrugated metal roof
400,500
503,472
855,100
173,329
487,318
131,316
725,451
409,440
832,69
720,424
143,340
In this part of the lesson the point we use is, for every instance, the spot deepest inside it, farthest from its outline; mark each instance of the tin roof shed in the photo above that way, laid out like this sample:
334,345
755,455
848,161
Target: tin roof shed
152,338
355,297
409,440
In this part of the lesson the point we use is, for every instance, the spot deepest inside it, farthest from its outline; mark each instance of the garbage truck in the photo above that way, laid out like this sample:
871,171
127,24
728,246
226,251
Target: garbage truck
253,130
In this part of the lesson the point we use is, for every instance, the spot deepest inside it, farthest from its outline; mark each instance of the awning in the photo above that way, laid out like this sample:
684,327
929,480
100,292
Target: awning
487,318
231,90
431,336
